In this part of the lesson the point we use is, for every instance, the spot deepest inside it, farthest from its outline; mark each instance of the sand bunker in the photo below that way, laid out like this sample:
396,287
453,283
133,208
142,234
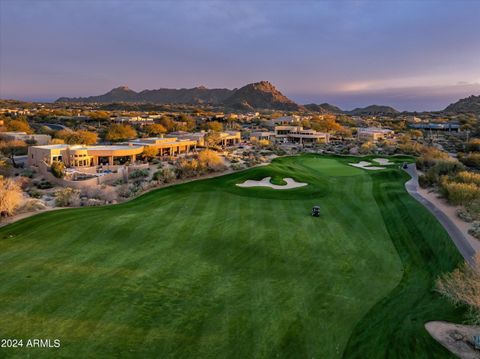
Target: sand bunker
366,165
383,161
291,183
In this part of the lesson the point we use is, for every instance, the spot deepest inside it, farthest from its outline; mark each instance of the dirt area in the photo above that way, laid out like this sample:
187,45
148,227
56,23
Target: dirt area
291,183
451,212
455,337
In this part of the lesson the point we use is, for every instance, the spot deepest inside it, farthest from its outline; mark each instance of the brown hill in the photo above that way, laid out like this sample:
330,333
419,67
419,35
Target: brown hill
465,105
260,95
324,108
194,95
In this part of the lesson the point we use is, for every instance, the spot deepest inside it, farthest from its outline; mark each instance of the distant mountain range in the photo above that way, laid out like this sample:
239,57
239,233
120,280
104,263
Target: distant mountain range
254,96
373,110
465,105
259,95
324,108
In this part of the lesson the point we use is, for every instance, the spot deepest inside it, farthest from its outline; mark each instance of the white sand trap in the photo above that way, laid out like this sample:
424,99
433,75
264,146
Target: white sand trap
291,183
366,165
383,161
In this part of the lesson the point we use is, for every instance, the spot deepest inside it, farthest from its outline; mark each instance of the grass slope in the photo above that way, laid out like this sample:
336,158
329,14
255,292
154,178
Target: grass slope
208,270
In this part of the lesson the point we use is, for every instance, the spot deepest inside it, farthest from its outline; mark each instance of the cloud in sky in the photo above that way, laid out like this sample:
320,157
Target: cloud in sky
354,52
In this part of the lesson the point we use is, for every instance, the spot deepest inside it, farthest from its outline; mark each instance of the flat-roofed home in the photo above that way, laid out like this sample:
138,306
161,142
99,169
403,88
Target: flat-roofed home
262,135
296,134
229,138
308,136
283,132
138,120
199,137
23,136
167,146
374,133
82,155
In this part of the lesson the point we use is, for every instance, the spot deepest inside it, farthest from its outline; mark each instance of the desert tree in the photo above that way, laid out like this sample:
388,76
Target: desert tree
462,286
10,196
13,148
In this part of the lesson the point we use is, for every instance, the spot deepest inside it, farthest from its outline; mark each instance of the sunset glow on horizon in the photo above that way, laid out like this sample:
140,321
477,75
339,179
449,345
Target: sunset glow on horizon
412,55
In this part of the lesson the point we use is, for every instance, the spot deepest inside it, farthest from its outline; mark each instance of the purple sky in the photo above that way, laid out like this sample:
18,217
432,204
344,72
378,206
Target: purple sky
413,55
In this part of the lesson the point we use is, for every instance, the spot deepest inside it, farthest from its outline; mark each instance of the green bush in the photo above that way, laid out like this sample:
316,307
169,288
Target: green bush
43,184
475,229
58,169
27,173
34,193
140,173
471,160
465,215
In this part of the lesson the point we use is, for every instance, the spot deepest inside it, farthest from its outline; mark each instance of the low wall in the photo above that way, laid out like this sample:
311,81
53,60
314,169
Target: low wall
122,173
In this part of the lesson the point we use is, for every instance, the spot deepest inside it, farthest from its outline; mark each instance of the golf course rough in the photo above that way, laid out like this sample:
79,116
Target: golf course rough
211,270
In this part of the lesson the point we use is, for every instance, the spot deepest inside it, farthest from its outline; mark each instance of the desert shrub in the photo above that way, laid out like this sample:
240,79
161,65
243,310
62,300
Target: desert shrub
468,177
473,145
211,160
67,197
32,205
139,173
43,184
28,173
471,160
473,207
462,286
367,147
157,176
441,168
446,167
475,229
237,166
104,193
58,169
425,181
118,182
186,168
10,196
168,175
92,202
34,193
429,156
465,215
459,193
150,152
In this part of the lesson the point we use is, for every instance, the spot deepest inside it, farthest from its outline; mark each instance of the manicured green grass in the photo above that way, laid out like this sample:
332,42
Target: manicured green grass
211,270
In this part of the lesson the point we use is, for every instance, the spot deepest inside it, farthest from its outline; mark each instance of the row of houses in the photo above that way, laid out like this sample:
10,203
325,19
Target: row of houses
297,134
89,156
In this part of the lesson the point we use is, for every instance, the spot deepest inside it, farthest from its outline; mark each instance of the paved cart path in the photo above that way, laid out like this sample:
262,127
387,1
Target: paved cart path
461,242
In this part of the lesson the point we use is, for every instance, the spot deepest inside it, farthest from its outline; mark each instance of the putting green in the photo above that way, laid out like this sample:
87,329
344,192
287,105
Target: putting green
211,270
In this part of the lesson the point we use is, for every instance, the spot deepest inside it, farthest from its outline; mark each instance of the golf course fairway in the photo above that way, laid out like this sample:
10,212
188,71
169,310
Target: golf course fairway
207,269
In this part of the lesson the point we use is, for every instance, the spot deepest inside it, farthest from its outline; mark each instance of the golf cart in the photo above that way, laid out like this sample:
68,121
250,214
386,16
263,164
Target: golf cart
316,211
405,165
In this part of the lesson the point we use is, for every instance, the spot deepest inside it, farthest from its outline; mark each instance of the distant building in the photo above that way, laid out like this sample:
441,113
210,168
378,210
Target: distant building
167,146
447,126
136,120
262,135
227,138
374,133
23,136
296,134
